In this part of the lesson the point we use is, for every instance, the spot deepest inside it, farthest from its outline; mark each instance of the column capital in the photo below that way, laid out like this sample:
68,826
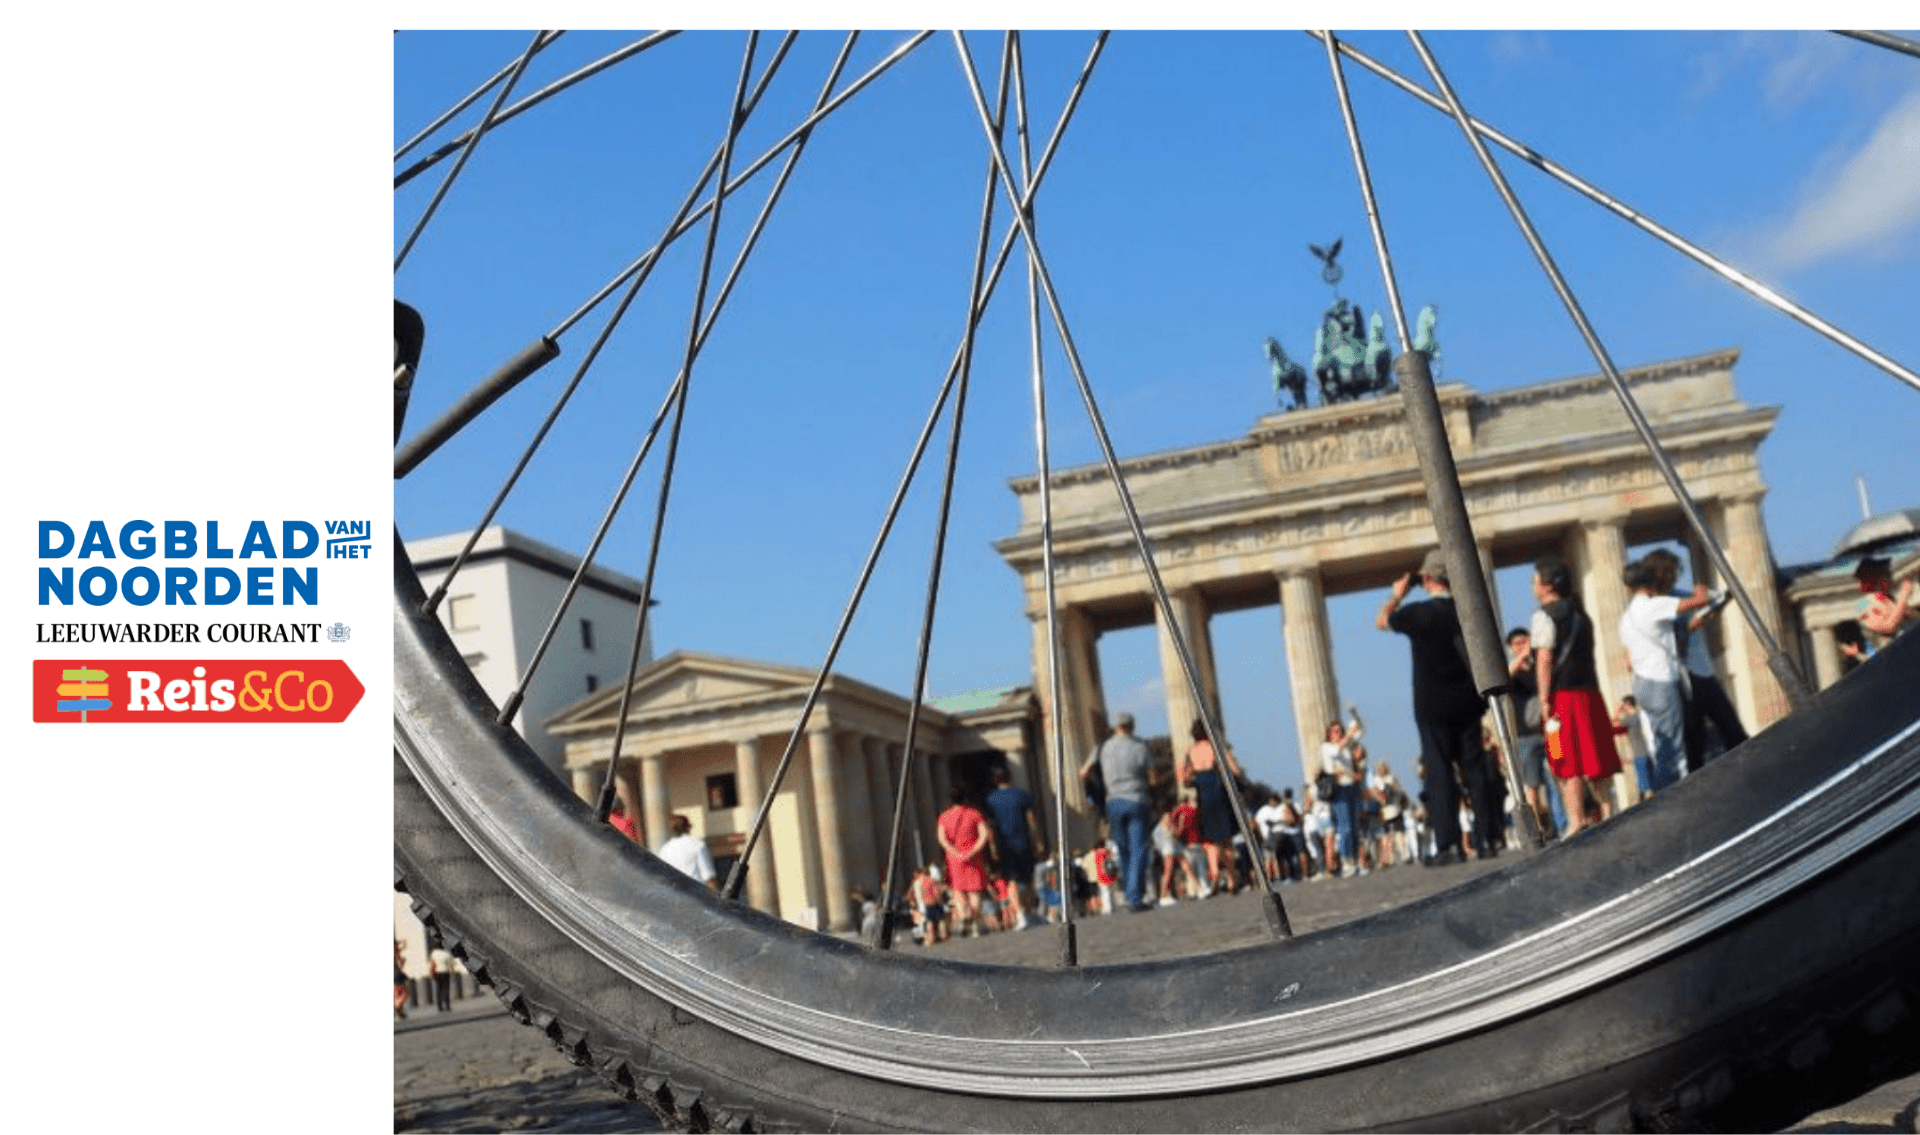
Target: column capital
1596,523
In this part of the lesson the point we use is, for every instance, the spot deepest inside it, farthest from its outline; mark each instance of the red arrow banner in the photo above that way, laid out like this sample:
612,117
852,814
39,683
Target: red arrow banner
111,691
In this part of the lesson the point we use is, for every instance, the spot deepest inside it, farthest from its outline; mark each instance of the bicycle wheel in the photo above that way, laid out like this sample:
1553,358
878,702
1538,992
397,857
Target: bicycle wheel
1747,955
1732,955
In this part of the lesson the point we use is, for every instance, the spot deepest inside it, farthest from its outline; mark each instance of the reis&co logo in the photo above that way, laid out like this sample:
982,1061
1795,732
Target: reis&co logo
170,690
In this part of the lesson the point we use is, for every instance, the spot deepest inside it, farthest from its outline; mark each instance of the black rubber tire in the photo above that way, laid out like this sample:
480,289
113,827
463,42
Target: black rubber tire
1733,955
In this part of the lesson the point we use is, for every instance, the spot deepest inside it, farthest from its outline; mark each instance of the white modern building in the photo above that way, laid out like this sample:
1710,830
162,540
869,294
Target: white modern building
502,602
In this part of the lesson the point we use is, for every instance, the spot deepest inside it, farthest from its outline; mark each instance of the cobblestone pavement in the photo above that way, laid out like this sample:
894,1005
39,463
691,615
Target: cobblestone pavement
476,1069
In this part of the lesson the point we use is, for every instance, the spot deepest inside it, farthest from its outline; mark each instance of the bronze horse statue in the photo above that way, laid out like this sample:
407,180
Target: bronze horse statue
1287,375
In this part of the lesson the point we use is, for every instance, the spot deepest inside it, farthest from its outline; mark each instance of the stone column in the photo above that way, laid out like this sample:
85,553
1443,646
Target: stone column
884,787
823,753
858,806
1485,548
925,811
653,799
1825,649
1756,693
812,891
1316,694
763,892
1190,623
585,783
1081,706
1599,562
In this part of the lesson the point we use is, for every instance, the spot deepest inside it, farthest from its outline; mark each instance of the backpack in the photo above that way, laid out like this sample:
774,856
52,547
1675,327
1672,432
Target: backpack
1096,784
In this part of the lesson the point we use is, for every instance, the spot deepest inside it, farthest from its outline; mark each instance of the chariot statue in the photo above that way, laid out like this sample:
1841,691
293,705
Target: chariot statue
1348,364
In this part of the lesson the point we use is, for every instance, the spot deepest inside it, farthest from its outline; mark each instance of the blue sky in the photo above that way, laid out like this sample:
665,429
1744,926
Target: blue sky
1175,224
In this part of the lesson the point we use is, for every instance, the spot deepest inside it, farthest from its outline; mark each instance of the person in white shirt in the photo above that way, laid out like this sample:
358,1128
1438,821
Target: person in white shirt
1659,677
688,854
1271,819
1316,825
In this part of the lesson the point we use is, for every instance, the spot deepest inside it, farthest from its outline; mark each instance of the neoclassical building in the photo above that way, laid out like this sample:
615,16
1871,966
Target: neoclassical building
705,738
1825,595
1316,502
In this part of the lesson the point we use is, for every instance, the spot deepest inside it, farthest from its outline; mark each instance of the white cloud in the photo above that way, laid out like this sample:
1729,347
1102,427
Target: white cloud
1868,200
1787,67
1515,46
1799,65
1147,701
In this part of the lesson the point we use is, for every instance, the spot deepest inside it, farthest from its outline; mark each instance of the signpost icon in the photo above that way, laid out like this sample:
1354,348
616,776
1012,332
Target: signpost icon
86,689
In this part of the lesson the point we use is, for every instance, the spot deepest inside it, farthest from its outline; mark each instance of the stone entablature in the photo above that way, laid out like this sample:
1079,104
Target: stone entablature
1350,436
1358,456
1363,519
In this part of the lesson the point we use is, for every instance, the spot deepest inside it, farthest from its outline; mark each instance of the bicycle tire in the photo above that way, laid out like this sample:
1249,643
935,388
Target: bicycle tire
1733,955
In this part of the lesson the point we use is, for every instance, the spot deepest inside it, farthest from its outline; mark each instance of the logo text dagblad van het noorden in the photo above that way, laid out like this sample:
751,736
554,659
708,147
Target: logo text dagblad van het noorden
178,563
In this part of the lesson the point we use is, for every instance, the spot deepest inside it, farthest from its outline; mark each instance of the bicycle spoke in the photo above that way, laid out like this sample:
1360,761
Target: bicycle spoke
533,100
466,152
453,111
669,405
1069,955
736,119
1792,684
883,937
1007,242
613,321
1887,40
1644,223
1275,909
546,347
1471,588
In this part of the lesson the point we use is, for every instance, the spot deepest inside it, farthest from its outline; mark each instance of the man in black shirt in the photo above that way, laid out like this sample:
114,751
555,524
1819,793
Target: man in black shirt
1447,708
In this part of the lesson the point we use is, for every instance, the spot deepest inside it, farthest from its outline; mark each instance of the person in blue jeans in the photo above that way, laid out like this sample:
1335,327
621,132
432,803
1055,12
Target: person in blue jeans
1127,766
1659,674
1338,759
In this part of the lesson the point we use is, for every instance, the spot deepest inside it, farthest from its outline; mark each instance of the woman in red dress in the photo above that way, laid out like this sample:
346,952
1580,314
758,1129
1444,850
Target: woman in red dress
1573,711
965,835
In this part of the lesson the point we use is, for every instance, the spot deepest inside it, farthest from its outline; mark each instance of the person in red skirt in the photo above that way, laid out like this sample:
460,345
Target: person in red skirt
1573,712
965,834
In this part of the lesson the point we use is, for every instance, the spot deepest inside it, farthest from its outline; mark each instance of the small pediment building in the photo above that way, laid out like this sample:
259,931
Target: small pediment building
706,736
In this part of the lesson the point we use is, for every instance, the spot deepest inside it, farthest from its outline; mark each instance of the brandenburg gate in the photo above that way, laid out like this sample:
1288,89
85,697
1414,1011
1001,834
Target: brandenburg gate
1321,501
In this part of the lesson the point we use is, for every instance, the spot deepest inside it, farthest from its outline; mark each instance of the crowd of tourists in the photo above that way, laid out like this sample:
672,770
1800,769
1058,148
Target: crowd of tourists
1353,817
